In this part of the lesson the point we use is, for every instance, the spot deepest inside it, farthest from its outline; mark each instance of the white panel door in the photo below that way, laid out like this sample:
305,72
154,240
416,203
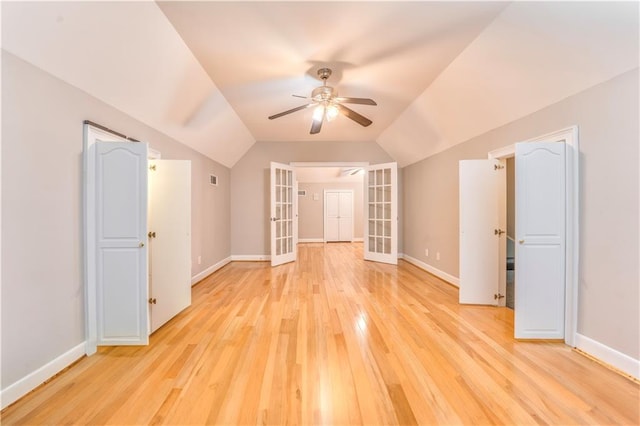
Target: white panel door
482,222
381,215
540,234
169,239
121,228
332,216
345,222
283,207
338,215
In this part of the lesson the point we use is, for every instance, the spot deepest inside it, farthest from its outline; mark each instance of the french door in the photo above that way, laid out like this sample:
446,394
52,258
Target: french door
283,207
381,213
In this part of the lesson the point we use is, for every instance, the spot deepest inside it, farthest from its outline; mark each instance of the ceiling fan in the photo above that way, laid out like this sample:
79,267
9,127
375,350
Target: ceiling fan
328,105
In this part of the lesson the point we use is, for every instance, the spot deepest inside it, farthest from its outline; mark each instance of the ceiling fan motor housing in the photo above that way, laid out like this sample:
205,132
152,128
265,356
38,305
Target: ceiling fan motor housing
323,93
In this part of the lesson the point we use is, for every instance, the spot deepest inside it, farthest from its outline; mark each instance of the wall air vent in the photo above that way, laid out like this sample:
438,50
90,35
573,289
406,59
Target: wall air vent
213,180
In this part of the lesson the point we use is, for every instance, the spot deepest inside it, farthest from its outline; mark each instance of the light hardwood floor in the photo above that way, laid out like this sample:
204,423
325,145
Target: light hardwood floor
333,339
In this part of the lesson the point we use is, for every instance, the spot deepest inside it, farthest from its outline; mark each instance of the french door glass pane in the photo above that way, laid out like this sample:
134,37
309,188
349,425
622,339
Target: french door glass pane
379,212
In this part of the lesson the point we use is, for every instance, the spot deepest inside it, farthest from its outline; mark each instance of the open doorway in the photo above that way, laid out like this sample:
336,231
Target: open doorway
330,203
379,209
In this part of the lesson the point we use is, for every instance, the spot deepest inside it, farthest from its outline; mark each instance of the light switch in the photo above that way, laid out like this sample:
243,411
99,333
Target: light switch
316,197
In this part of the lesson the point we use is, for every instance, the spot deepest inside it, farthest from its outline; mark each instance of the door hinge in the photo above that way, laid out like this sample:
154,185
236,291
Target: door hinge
498,232
498,296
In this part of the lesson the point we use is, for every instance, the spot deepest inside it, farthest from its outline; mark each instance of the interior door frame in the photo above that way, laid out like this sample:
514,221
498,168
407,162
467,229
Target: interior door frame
324,211
345,164
569,136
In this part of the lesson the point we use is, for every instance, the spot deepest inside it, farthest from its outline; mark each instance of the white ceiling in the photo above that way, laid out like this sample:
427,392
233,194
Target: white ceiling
259,54
209,73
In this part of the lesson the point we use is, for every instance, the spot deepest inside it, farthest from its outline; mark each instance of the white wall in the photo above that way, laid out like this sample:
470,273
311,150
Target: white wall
609,288
42,271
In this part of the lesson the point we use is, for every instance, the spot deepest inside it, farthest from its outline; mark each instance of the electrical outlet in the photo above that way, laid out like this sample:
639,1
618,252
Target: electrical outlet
199,260
438,256
426,252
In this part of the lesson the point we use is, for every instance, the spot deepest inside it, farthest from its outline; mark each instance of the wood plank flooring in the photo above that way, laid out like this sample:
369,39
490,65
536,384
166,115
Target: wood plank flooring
332,339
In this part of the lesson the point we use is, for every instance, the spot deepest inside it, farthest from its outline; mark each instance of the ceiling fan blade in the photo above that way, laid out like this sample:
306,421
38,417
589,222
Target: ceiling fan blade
316,125
361,101
290,111
360,119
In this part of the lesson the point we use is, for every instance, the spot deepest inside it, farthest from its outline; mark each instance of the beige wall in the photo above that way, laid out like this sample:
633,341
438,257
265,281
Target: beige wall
311,212
42,266
607,117
250,184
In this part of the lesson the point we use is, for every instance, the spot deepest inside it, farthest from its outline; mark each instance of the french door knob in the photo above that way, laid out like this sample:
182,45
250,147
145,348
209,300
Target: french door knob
521,241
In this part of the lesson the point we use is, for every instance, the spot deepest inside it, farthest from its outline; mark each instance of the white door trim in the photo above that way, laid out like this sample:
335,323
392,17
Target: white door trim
324,215
568,135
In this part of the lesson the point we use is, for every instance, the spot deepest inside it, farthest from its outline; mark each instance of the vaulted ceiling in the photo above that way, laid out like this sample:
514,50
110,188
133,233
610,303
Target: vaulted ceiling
210,73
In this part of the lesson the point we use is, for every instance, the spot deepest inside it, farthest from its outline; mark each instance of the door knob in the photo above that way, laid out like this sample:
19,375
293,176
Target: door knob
151,234
498,232
152,300
521,241
141,245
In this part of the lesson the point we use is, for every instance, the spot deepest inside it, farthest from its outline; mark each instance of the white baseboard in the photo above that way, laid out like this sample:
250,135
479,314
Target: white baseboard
210,270
250,257
31,381
604,353
435,271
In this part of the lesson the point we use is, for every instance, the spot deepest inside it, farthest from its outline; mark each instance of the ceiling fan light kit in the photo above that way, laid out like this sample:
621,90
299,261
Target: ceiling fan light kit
328,105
